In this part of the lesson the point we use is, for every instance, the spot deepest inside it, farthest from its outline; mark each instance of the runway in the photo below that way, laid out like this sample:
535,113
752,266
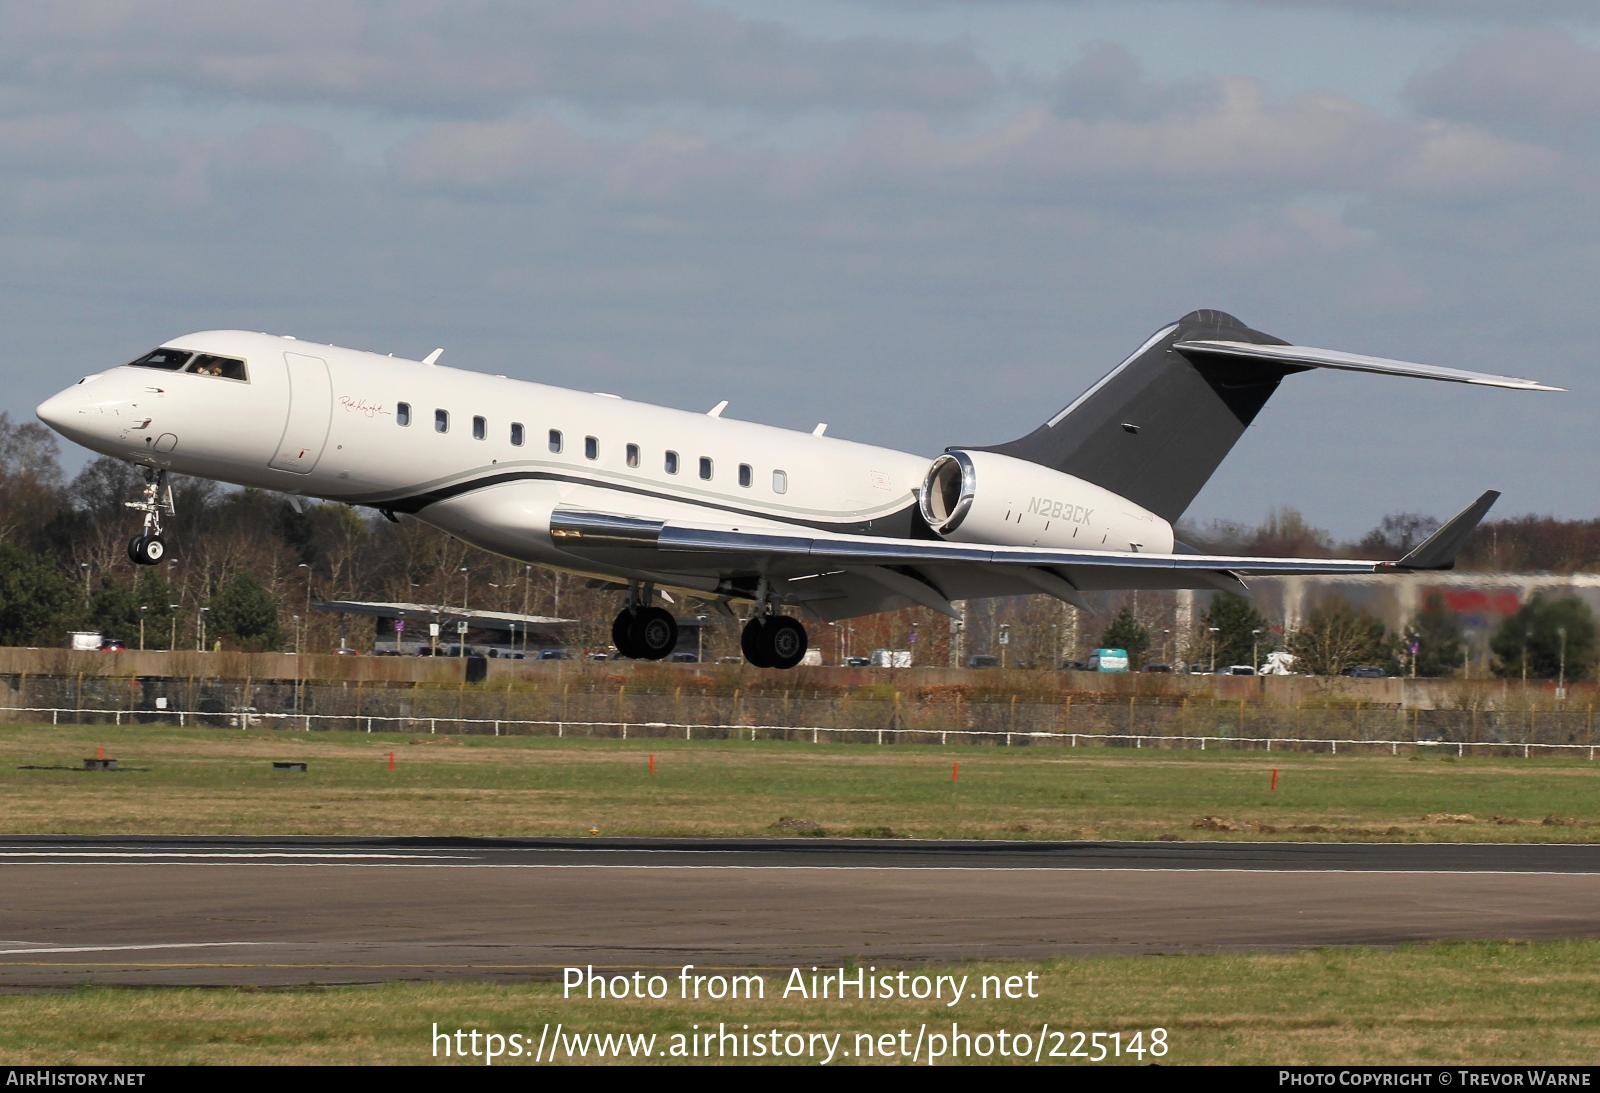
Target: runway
286,911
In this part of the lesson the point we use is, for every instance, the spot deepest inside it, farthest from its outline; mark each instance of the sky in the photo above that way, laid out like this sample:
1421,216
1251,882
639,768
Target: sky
925,222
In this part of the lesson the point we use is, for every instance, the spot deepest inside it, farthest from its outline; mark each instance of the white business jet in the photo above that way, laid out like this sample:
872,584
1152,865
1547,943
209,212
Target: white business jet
659,500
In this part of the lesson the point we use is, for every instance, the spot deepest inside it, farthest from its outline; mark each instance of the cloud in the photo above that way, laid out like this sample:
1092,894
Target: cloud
1530,81
475,57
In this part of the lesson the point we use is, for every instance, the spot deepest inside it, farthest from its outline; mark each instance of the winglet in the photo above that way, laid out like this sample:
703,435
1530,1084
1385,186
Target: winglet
1439,550
433,358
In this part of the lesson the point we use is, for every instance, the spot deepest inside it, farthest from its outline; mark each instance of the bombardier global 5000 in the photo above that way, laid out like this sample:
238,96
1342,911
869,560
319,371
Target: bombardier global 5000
791,523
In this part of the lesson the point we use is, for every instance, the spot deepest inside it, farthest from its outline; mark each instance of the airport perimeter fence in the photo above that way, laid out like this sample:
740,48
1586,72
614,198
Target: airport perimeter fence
683,713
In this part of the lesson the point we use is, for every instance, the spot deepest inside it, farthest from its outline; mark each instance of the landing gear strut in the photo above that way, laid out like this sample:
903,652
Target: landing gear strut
643,632
148,547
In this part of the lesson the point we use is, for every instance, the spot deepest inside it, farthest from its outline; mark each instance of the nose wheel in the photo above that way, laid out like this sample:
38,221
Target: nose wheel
148,547
773,641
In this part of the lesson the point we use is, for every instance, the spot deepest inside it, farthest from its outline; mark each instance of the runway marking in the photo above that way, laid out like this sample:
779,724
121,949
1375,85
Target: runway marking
247,854
121,948
845,868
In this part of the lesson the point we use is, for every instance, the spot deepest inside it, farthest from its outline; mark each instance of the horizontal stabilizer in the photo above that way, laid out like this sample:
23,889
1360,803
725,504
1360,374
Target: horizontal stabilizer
1439,550
1306,356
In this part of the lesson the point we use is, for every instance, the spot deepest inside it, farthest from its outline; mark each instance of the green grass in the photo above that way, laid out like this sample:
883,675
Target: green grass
1433,1004
215,781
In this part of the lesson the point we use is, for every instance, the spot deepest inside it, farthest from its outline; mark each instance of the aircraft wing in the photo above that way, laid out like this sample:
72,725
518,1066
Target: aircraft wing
919,569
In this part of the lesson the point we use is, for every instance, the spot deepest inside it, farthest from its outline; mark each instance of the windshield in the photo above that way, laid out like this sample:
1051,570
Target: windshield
206,364
169,359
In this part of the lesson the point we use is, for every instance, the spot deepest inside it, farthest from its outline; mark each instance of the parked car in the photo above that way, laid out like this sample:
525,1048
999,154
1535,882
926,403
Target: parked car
1366,671
554,654
112,645
1157,668
1236,670
983,660
685,658
858,662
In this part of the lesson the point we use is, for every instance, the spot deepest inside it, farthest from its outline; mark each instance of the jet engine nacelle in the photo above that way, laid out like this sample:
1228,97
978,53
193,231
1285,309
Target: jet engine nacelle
982,497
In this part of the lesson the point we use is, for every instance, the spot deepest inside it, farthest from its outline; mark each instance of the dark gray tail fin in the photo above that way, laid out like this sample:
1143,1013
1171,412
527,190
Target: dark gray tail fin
1155,428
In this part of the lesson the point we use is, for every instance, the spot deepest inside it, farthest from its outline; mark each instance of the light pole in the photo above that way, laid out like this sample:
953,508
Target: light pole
700,639
1215,630
85,567
306,566
913,642
200,632
142,610
1255,648
1561,685
172,638
461,633
1527,635
1166,640
1005,640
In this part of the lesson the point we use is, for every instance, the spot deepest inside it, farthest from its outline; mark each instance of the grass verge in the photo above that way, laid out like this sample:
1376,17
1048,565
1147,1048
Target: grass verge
211,781
1431,1004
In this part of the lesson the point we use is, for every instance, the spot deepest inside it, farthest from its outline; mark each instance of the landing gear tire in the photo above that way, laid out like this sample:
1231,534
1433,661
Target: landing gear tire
619,633
652,633
146,549
753,642
777,641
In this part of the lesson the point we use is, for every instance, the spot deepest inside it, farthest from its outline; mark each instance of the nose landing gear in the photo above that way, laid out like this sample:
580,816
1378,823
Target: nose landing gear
148,547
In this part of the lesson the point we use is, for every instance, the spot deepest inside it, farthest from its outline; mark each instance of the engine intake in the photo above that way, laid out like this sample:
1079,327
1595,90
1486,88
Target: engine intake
948,491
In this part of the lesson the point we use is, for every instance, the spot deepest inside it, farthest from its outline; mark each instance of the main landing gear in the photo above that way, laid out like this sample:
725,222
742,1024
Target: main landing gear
773,641
643,632
148,547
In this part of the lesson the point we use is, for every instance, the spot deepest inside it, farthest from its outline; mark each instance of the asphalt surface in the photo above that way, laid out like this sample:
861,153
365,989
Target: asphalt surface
284,911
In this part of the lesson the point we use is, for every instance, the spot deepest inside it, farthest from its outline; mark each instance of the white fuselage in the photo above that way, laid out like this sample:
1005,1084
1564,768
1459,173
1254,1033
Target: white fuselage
442,443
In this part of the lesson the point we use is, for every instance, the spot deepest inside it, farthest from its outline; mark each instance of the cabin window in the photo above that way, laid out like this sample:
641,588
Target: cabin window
168,360
672,462
555,441
746,476
780,482
633,455
402,413
705,467
591,448
480,428
441,421
207,364
516,433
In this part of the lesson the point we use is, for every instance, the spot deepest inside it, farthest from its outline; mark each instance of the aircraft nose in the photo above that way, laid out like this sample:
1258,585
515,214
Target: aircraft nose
58,410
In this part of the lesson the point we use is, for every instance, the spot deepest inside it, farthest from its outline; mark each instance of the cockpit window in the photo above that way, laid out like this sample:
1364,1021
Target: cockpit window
169,359
207,364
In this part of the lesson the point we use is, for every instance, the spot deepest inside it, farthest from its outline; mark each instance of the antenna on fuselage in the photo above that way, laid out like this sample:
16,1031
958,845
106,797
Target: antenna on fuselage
433,358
